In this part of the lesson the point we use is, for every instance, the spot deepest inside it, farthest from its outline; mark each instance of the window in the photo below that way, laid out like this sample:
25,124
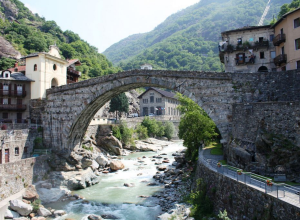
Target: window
239,41
262,55
273,54
5,115
297,44
158,100
151,99
296,22
19,89
16,151
35,67
298,64
151,93
5,101
152,110
260,39
271,37
145,100
54,67
240,58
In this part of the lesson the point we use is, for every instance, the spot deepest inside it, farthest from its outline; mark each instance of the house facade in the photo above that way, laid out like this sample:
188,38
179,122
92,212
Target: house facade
146,66
248,49
72,74
158,102
287,41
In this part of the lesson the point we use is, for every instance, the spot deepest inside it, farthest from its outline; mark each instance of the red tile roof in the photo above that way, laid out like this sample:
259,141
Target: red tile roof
17,69
76,61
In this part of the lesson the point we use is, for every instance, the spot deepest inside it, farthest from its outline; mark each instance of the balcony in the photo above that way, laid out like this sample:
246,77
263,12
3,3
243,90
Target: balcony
229,48
12,93
282,58
12,107
280,38
73,71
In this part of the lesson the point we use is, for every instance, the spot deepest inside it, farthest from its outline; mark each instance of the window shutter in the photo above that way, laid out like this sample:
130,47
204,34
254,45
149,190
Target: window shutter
1,101
9,87
1,86
15,87
9,101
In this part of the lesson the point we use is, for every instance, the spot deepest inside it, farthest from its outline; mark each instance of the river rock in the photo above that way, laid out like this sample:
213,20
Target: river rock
102,161
129,184
94,165
58,213
38,218
30,193
20,207
161,168
111,144
109,216
52,195
94,217
21,218
43,212
9,214
116,165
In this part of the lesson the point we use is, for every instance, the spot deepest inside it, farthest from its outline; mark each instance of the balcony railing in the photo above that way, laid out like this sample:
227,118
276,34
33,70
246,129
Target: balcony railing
13,107
229,48
12,93
73,71
279,39
282,58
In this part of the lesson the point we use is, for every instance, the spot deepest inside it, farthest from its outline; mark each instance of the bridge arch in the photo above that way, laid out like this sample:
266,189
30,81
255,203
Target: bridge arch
70,108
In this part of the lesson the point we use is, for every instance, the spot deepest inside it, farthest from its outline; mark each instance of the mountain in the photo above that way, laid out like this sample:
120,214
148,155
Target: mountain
188,40
23,32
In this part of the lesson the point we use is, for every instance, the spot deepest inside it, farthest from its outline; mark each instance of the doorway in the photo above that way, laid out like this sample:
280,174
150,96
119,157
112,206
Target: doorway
0,156
6,155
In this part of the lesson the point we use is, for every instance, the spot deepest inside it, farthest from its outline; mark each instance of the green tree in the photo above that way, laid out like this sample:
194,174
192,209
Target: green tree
195,127
142,132
169,130
160,129
6,63
119,104
123,133
151,126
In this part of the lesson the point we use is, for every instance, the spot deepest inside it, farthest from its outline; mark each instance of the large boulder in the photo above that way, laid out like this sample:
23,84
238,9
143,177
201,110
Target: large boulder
111,144
21,207
94,217
43,212
30,193
85,179
51,195
102,161
9,214
116,165
86,162
58,213
94,165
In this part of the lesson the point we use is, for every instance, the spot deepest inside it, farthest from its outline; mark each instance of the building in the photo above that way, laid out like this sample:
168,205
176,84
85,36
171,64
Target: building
158,102
146,67
248,49
287,41
72,74
15,94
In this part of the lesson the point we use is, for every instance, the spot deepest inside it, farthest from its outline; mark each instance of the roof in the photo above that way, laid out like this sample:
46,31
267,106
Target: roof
32,55
74,61
284,16
19,69
246,28
18,77
162,92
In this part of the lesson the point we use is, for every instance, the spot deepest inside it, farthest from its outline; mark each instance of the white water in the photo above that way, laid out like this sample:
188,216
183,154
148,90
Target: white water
110,196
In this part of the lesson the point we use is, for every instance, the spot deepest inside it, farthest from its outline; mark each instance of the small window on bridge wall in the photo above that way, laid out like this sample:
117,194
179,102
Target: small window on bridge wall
54,83
35,67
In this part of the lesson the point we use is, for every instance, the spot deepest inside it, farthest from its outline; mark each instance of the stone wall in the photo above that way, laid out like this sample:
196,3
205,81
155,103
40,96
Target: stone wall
277,117
16,176
242,201
36,107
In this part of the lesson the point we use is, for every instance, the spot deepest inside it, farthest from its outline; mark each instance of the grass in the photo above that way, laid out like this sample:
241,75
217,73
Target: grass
216,148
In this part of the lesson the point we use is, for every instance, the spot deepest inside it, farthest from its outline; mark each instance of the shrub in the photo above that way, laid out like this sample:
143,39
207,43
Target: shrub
123,133
142,132
36,204
38,143
169,130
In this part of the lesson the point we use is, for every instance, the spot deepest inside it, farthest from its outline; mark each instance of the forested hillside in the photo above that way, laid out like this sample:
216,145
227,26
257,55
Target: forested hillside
188,39
29,33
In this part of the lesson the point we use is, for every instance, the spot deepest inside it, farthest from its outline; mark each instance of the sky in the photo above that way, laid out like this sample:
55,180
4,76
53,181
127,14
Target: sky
104,22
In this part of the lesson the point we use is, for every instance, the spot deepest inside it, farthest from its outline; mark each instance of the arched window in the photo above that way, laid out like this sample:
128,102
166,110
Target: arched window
262,69
54,67
54,83
35,67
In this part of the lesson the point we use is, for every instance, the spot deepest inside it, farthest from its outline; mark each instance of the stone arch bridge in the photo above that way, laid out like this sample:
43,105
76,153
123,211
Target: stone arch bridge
70,108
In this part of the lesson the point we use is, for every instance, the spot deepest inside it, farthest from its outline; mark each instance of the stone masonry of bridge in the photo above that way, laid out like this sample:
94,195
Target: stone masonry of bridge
70,108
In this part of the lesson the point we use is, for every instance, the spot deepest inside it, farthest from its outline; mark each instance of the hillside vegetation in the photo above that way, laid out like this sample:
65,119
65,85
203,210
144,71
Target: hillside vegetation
34,34
188,40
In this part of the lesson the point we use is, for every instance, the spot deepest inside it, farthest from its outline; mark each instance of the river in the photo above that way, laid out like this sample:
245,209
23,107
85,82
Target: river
110,196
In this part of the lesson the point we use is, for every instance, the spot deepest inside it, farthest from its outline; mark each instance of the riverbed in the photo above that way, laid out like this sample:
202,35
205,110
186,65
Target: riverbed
111,197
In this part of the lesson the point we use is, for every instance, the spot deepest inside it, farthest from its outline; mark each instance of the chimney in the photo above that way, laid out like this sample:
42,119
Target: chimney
16,64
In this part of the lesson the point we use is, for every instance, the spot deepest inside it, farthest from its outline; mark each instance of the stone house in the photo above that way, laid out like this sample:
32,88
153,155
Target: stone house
248,49
72,74
15,94
158,102
287,41
146,66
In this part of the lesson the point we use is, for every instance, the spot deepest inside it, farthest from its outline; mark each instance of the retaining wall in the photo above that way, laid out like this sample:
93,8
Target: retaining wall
242,201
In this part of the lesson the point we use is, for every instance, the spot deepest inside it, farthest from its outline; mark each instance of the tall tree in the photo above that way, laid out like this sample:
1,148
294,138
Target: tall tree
119,104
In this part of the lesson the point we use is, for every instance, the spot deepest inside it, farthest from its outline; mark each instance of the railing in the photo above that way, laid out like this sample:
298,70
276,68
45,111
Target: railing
12,107
12,93
279,190
229,48
279,39
282,58
71,70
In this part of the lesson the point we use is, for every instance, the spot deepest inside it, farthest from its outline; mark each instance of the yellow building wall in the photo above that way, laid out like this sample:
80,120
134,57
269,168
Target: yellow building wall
291,34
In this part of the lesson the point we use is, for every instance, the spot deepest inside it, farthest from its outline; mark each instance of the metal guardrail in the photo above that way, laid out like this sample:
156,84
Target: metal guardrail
278,190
